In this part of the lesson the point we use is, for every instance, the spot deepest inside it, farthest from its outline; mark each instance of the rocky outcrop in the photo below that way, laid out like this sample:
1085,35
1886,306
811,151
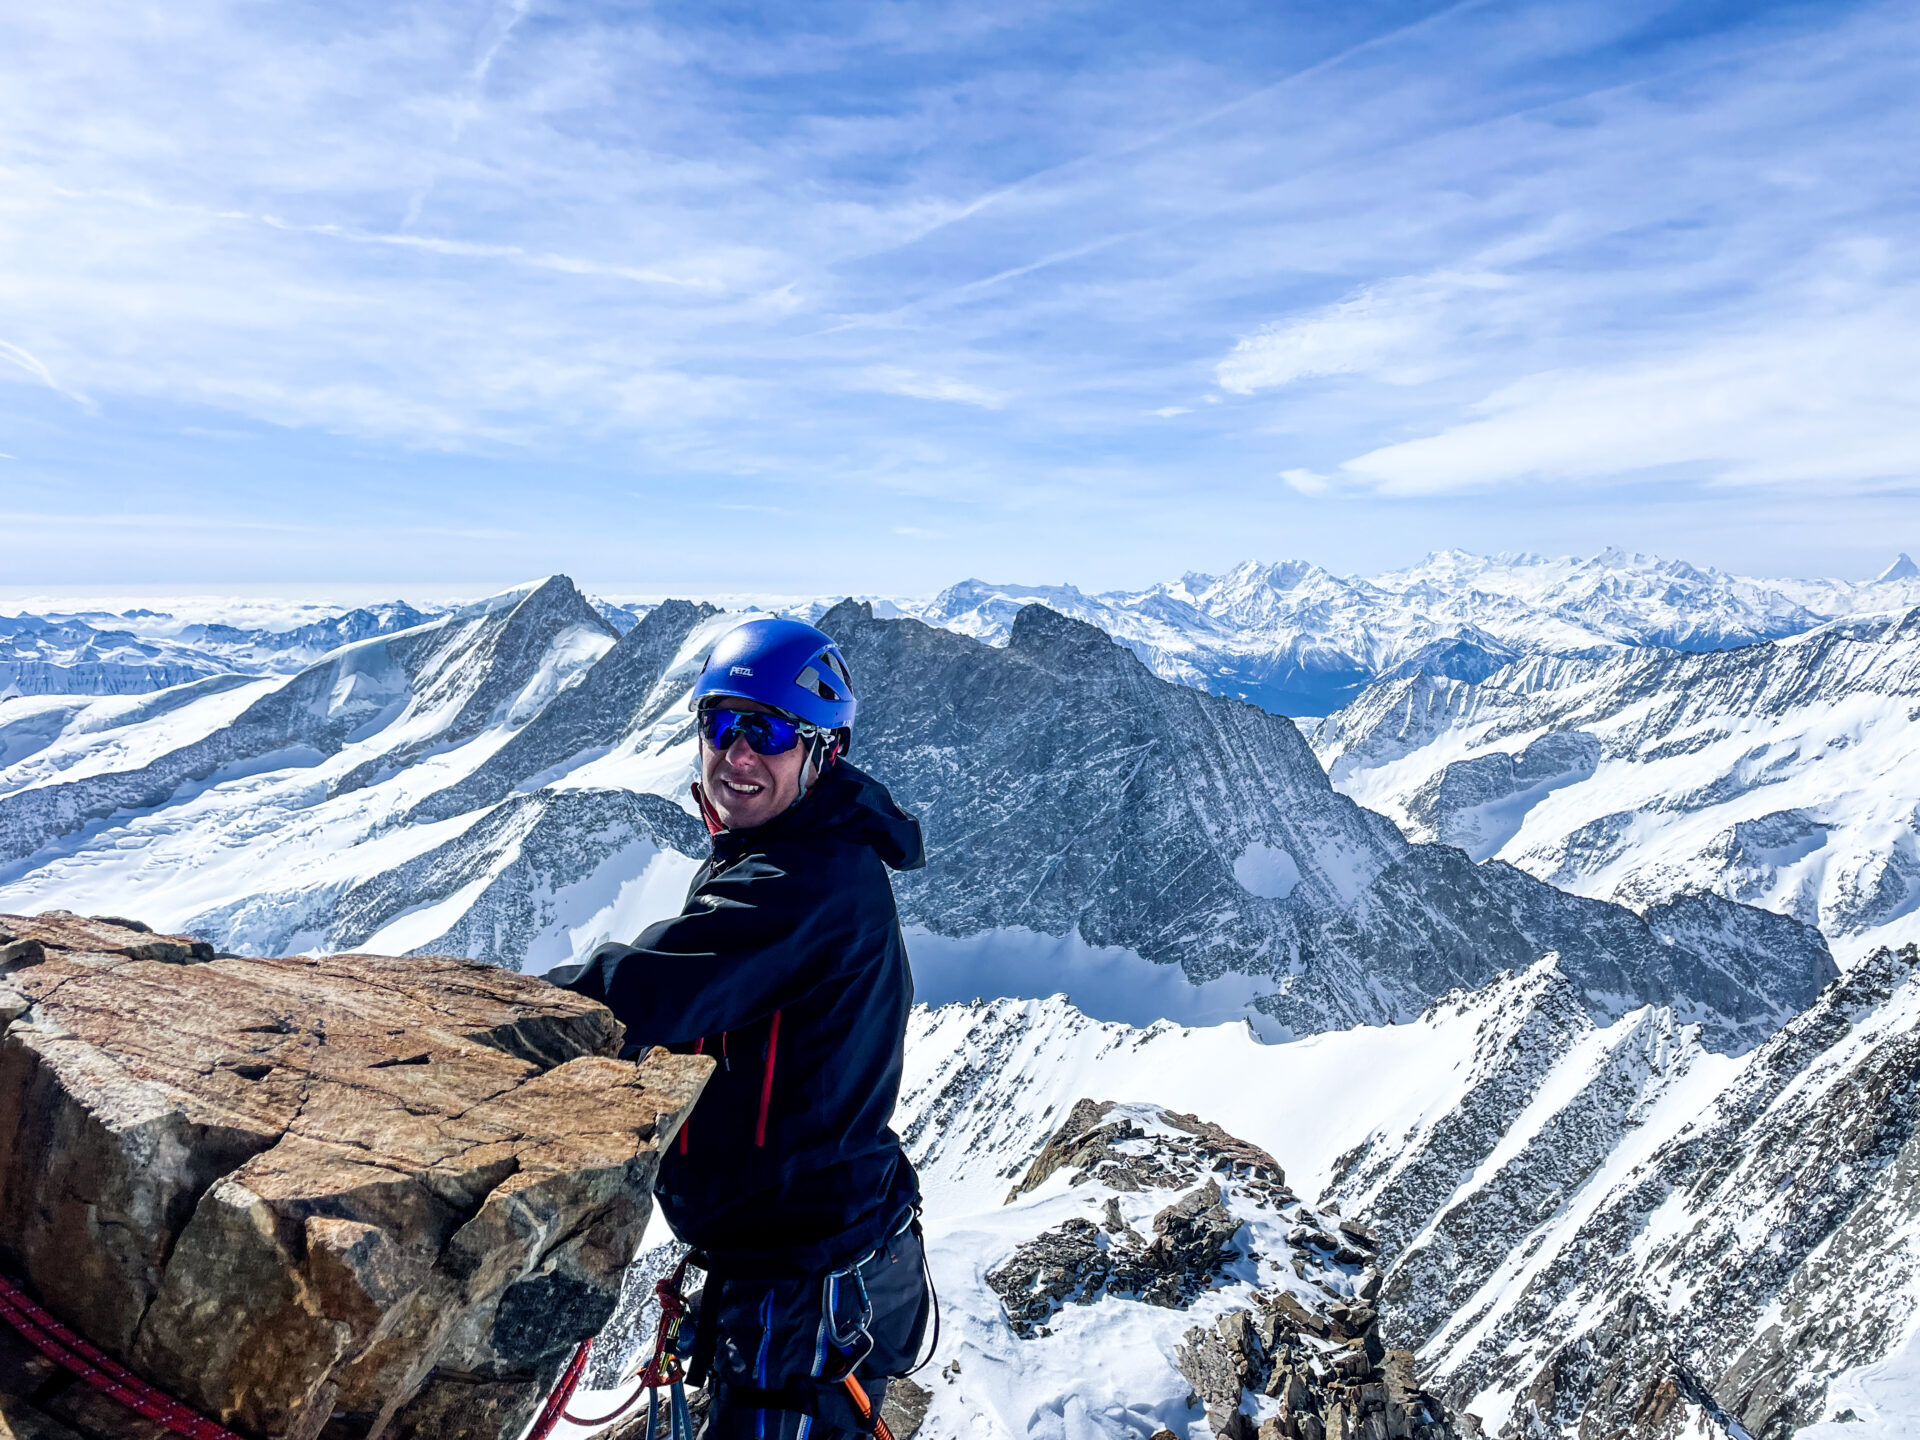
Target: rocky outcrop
1078,1262
339,1196
1303,1359
1332,1378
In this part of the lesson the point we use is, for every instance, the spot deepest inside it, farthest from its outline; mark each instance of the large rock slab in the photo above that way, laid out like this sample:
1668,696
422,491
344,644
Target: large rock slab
343,1196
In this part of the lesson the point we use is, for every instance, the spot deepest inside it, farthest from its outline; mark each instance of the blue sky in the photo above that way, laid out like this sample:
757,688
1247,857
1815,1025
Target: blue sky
707,297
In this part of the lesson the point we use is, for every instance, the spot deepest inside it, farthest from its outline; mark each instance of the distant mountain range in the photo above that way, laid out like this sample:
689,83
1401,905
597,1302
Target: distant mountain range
93,653
1295,639
509,781
1291,637
1786,775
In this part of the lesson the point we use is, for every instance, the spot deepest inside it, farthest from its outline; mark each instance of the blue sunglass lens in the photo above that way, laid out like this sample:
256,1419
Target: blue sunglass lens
767,734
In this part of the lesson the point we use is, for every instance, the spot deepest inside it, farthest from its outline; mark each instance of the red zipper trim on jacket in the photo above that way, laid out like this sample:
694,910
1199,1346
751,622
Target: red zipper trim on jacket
686,1125
766,1080
707,812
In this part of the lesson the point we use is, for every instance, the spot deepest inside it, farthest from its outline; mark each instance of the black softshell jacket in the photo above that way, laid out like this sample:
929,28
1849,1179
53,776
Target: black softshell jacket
787,965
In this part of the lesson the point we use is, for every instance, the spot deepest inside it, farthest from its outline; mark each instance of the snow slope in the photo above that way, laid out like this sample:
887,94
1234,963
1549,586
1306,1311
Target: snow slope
1784,775
1570,1211
275,815
510,782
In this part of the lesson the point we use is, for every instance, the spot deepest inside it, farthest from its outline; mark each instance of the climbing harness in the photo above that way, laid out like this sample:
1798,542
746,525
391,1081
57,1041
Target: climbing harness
683,1354
71,1352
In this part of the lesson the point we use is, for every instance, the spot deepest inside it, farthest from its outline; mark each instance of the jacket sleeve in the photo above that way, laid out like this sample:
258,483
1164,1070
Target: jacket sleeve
750,941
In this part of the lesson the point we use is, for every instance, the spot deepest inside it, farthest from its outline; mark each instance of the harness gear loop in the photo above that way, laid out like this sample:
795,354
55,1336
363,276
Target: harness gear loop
706,1325
933,1295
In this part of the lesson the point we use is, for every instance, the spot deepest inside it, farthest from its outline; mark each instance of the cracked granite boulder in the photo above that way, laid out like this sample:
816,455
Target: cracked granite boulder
340,1197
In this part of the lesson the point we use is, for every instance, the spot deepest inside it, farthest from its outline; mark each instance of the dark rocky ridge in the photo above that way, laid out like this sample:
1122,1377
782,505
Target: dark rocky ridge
1779,1258
1065,787
471,666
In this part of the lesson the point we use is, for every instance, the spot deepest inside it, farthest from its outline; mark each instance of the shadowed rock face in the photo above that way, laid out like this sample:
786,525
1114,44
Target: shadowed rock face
1065,787
341,1196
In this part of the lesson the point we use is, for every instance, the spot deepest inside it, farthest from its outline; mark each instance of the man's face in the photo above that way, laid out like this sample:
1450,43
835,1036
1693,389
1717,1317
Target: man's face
745,787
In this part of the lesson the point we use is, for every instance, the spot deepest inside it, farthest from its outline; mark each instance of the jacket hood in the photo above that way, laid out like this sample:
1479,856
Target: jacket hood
851,803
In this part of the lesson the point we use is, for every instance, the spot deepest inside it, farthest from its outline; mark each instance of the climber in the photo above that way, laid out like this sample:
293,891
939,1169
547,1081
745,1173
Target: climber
786,965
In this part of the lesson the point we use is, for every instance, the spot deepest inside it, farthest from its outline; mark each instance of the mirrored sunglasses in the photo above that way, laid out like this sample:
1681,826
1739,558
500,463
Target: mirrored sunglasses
766,734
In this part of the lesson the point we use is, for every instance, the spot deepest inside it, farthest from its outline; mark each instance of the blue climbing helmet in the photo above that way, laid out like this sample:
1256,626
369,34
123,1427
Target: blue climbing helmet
786,664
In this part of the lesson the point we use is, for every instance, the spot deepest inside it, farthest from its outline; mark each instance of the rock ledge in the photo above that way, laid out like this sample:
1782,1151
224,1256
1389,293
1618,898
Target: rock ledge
316,1198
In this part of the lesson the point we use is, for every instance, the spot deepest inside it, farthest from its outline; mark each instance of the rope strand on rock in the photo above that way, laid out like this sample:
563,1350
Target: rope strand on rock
65,1348
563,1389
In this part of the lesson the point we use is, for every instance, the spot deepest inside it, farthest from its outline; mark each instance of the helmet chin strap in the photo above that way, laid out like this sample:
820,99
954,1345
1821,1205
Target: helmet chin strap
822,752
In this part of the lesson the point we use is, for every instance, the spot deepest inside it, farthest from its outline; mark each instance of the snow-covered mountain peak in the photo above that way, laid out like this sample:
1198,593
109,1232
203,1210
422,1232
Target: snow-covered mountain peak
1255,595
1294,637
1782,774
1902,568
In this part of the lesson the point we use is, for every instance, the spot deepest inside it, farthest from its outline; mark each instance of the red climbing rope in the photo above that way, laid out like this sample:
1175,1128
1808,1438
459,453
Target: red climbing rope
556,1404
661,1368
64,1347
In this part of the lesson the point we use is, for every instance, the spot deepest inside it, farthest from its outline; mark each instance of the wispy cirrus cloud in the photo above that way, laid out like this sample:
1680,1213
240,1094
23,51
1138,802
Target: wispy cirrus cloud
1397,331
1834,399
1404,250
894,380
14,355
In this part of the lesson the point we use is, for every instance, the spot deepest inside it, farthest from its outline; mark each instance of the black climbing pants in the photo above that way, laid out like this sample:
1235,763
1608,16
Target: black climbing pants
791,1340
